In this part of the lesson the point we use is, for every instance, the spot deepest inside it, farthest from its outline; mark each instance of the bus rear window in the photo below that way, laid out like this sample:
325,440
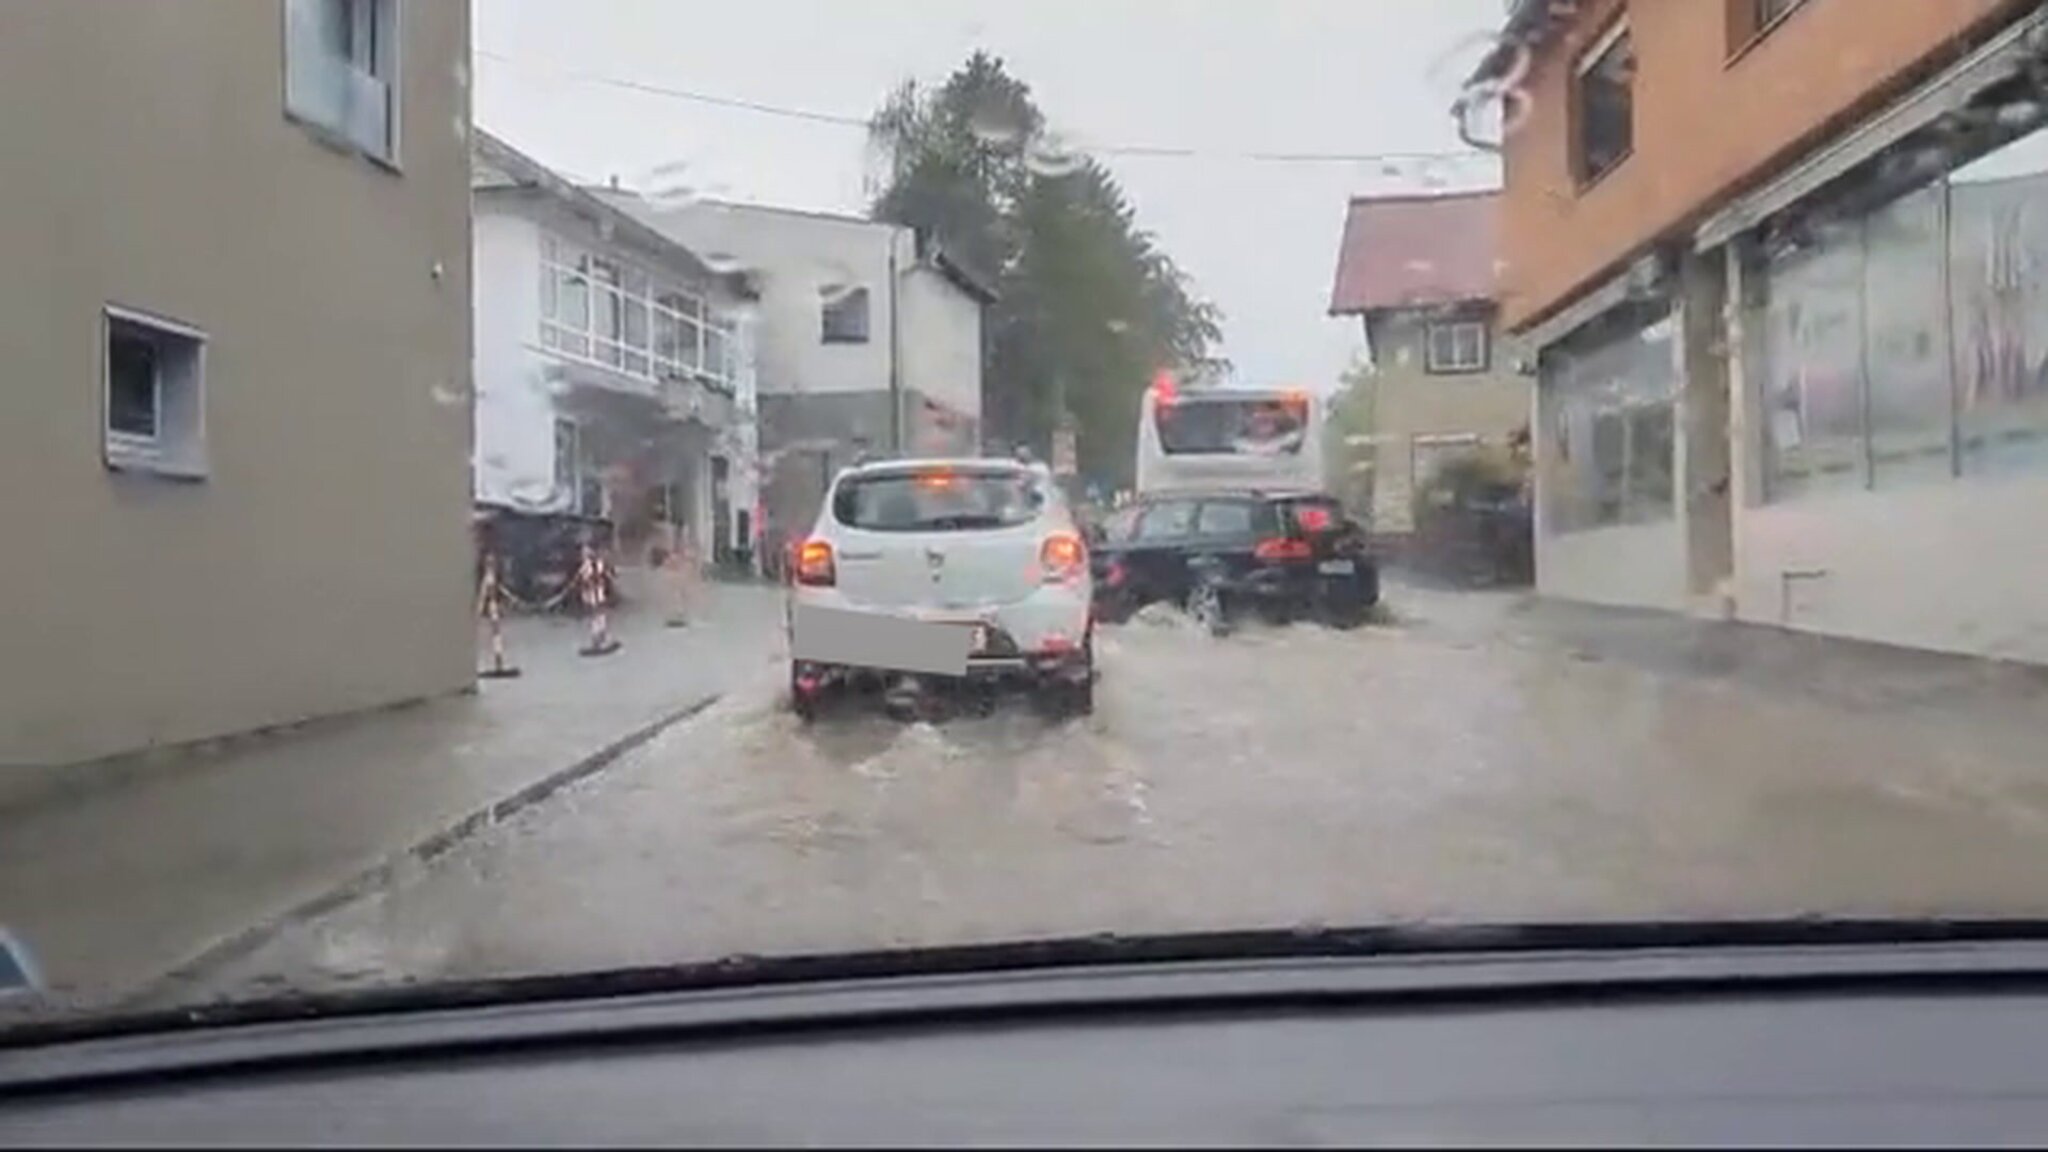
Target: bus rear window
1231,427
938,500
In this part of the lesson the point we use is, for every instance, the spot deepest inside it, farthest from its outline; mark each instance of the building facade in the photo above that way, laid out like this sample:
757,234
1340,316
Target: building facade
1418,272
868,340
1782,266
236,430
615,368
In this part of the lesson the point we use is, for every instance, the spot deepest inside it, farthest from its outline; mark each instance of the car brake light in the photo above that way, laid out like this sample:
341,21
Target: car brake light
1281,548
814,565
1313,518
1062,557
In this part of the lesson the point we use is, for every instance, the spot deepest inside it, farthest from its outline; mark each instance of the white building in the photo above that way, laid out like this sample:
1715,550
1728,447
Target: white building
614,367
868,338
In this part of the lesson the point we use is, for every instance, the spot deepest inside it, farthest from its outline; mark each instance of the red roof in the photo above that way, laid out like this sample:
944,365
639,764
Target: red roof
1405,251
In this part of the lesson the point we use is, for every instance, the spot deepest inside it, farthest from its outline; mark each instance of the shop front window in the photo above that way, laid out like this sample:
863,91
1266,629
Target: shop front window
1877,374
1609,404
1998,261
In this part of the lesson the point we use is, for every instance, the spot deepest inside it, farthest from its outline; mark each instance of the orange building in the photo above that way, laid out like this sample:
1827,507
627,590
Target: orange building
1782,269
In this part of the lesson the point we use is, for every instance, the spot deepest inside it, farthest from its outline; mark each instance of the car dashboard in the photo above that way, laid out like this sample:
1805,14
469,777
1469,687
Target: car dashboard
1895,1045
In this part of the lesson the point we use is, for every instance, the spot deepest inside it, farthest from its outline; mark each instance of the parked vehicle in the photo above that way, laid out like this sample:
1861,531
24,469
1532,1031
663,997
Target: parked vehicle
1281,556
926,574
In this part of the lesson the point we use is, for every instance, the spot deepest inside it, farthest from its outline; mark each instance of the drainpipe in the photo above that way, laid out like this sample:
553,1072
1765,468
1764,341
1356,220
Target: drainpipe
895,355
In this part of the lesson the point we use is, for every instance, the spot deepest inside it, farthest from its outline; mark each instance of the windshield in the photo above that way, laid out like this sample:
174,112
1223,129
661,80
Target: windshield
1326,463
938,500
1246,427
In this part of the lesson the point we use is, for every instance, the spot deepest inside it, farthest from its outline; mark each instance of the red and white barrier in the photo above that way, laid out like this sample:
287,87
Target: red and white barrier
491,606
592,575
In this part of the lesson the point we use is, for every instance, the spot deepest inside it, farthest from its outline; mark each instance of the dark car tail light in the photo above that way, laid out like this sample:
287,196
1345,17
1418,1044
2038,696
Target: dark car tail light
1282,548
814,565
1063,556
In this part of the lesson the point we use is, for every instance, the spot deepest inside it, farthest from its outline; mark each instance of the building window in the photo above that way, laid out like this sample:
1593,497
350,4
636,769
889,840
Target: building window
1608,398
608,312
1909,344
1604,100
1459,346
153,391
845,318
341,71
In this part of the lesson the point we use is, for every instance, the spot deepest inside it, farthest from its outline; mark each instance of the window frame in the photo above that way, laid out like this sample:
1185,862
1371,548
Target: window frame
1587,62
1483,347
844,306
661,303
177,447
379,21
1751,21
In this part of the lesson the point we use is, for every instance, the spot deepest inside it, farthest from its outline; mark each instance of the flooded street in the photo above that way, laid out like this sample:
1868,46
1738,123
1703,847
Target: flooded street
1469,759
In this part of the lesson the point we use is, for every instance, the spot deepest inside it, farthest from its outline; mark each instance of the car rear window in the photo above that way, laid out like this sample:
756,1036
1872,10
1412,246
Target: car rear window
939,500
1234,518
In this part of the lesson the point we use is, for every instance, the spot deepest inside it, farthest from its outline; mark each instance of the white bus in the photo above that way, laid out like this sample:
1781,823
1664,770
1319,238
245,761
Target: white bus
1229,438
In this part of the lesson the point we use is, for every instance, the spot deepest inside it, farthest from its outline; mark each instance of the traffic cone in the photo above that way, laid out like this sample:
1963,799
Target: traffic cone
591,573
491,598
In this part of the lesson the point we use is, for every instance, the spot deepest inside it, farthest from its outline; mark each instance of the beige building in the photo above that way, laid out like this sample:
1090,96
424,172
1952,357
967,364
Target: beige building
1419,273
234,435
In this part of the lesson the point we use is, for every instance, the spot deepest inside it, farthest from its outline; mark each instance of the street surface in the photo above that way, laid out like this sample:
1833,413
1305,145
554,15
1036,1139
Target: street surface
1472,759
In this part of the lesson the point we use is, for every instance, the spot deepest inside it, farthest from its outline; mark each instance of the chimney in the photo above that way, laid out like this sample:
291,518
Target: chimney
612,181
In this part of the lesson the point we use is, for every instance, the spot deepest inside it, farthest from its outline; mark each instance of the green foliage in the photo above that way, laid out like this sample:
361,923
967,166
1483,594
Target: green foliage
1089,308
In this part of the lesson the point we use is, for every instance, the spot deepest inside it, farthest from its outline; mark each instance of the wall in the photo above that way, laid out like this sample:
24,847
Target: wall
793,254
941,342
323,563
1629,566
515,439
1408,401
1954,567
1704,123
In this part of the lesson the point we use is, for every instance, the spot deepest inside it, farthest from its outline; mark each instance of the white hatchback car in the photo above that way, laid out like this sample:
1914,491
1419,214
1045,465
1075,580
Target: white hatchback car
969,570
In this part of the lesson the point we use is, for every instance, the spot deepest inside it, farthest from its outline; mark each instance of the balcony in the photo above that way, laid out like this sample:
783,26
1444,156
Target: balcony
692,397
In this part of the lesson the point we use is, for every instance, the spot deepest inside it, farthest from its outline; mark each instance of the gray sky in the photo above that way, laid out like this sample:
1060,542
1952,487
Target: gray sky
1220,77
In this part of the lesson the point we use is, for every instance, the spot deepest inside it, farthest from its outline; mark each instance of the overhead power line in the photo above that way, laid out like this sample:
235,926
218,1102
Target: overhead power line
1140,151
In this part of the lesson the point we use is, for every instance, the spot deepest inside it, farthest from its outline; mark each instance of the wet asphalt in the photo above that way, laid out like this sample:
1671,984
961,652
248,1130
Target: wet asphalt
1471,757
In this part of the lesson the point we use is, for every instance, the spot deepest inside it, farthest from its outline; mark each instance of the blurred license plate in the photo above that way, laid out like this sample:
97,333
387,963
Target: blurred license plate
1337,567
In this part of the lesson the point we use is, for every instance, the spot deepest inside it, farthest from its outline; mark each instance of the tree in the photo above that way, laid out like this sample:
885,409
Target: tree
1089,307
1348,452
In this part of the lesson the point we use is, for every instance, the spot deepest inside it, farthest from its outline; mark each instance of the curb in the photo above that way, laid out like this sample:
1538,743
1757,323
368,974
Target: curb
380,874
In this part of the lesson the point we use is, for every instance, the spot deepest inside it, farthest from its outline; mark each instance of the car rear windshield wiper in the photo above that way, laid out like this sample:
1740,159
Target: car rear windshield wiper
956,523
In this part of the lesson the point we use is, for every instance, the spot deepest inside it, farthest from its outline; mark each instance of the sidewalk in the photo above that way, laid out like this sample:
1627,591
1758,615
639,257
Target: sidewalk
116,886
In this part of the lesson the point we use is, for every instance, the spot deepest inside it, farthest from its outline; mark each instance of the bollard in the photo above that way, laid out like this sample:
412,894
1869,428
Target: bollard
591,575
490,605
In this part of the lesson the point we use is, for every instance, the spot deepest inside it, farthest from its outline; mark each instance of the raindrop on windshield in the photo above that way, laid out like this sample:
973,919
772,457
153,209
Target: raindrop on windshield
1052,158
1118,326
666,187
449,396
722,263
996,125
